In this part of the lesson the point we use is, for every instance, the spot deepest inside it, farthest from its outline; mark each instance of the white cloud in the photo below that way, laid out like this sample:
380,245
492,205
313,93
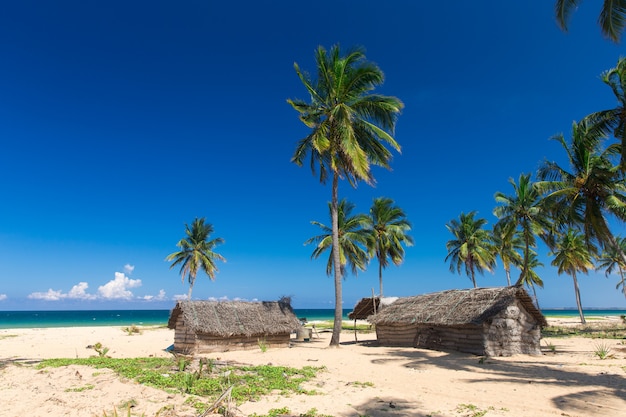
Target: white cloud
128,268
51,295
78,291
3,297
178,297
159,297
118,287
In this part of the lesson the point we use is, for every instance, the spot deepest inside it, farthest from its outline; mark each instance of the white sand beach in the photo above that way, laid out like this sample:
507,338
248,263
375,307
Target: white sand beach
359,379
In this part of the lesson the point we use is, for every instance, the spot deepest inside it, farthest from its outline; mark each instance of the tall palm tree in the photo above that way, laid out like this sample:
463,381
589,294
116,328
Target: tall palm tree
350,127
196,252
571,255
353,240
590,191
507,244
612,16
471,247
389,228
523,211
613,121
611,260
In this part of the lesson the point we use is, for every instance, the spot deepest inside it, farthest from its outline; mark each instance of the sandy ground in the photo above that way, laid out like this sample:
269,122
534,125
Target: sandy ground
360,378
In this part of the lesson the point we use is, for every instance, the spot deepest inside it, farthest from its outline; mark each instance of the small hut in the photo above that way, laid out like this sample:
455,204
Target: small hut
218,326
482,321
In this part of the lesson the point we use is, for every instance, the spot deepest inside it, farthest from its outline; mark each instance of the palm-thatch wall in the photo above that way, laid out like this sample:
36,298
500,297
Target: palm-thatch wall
482,321
218,326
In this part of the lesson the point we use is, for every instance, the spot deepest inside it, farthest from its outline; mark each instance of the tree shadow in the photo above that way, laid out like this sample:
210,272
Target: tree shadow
610,387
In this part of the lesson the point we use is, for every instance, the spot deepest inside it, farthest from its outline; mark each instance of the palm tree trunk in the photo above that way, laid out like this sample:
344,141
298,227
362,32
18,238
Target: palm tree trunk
191,281
578,303
522,276
535,295
380,278
334,340
508,276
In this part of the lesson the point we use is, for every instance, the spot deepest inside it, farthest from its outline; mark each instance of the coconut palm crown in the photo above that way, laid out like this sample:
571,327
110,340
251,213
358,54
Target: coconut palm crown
196,252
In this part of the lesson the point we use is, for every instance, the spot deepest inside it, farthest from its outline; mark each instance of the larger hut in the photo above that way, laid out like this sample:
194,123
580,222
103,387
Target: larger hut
482,321
218,326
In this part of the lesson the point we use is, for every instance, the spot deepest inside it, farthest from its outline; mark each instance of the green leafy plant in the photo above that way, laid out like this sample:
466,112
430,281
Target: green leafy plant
80,389
551,347
131,330
602,350
262,345
102,350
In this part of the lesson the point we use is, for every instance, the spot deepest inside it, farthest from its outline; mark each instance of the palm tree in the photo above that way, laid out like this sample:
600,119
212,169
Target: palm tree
612,16
389,228
611,259
471,247
523,211
353,240
571,255
350,127
531,278
613,121
196,252
507,243
593,188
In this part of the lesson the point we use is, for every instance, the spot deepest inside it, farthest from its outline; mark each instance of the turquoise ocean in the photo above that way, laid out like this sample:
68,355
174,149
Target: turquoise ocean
41,319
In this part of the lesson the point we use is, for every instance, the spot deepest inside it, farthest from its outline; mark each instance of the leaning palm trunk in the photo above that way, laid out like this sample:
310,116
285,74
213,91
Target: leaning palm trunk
578,302
334,340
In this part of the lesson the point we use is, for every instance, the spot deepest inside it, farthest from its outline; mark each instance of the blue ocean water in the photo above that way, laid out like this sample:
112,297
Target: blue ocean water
75,318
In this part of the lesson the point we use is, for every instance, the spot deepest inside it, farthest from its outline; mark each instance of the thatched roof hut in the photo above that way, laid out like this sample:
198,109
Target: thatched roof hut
485,321
368,306
209,326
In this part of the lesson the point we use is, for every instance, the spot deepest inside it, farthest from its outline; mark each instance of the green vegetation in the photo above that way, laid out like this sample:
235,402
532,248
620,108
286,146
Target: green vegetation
612,331
262,345
277,412
80,389
6,336
470,410
362,384
100,349
602,350
131,330
248,382
389,229
471,248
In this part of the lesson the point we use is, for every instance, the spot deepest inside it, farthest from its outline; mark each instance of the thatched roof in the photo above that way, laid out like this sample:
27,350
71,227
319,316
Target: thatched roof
365,307
228,318
456,307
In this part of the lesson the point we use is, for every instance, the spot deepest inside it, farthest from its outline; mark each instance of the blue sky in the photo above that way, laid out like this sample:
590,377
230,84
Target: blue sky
122,121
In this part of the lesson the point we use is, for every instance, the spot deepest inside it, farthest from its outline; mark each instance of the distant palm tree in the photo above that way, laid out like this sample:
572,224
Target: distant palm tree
523,211
353,240
613,121
196,252
507,244
389,228
471,247
350,127
612,16
531,278
571,255
611,259
590,191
